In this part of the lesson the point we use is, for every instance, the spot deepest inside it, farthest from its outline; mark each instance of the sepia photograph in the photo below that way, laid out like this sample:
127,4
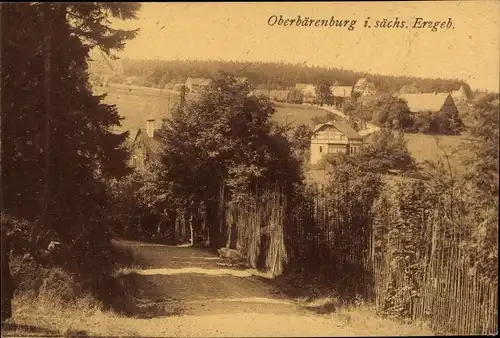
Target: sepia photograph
249,169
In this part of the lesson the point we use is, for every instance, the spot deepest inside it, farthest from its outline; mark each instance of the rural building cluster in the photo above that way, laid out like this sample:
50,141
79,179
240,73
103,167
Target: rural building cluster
327,138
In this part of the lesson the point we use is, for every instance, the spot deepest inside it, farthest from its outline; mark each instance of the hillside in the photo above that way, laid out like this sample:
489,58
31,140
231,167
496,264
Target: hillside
137,104
158,73
296,113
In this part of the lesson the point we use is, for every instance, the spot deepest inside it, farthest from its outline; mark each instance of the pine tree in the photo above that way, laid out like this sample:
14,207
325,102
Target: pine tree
58,146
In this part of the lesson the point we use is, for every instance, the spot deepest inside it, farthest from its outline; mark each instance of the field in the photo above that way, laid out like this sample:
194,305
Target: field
296,113
425,148
137,104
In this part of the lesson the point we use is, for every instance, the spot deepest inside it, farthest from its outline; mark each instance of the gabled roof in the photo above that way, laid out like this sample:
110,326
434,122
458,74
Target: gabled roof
199,81
425,101
344,128
152,144
361,82
341,91
370,85
132,135
460,93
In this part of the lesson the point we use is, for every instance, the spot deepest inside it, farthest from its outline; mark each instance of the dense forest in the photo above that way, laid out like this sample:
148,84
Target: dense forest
273,75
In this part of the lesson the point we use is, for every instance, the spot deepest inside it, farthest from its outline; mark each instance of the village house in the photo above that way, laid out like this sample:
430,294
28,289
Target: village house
178,87
308,90
365,88
274,95
340,94
409,89
197,84
460,95
145,145
430,102
333,138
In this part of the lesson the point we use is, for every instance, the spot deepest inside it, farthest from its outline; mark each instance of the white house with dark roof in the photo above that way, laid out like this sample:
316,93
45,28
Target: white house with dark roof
195,84
334,138
308,90
460,95
340,94
365,87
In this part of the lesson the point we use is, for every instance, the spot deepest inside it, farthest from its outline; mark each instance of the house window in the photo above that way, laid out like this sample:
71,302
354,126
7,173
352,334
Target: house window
334,149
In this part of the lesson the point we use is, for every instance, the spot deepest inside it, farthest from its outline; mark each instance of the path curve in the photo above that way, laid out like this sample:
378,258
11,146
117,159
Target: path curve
185,292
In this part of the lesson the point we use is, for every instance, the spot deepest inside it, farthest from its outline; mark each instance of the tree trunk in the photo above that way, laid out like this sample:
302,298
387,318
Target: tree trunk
47,47
233,236
191,232
213,225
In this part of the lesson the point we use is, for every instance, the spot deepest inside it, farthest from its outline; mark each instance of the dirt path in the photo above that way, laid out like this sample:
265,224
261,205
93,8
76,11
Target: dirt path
184,292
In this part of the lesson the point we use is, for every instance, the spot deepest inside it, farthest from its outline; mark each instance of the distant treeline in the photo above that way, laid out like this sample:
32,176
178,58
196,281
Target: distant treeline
269,75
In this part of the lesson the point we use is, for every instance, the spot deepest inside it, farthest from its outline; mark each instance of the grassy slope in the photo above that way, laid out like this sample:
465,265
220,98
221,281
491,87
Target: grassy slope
296,113
424,148
141,103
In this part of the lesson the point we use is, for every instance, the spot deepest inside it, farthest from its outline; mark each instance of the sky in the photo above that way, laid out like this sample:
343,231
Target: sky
468,50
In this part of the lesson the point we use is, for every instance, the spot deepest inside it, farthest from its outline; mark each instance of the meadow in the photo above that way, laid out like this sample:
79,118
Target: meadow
434,147
296,113
137,104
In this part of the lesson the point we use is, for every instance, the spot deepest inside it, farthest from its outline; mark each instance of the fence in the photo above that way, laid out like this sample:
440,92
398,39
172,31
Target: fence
405,253
423,271
256,227
413,267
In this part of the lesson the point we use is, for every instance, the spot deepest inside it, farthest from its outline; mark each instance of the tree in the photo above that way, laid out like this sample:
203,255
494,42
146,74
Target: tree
58,147
484,164
323,93
328,117
355,112
229,134
387,150
295,96
436,123
482,168
390,111
301,139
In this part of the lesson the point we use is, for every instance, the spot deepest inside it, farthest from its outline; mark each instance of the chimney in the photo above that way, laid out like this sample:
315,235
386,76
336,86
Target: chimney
150,127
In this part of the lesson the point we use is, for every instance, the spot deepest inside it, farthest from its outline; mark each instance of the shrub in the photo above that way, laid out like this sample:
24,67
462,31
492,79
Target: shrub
388,150
295,96
436,123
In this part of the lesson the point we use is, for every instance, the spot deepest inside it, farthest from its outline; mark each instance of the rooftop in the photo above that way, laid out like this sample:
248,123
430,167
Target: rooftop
425,101
341,91
344,128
